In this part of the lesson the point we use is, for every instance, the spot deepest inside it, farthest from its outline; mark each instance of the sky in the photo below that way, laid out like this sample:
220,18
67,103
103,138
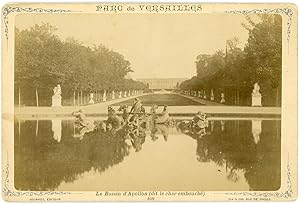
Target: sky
157,45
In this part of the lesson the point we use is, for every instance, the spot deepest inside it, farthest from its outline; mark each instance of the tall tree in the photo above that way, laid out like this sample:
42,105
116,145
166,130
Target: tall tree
264,49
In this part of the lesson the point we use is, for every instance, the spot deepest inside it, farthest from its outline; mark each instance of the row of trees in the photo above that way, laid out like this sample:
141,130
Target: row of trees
236,70
43,60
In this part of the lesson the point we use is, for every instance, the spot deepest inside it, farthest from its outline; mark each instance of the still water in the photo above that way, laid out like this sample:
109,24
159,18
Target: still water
229,155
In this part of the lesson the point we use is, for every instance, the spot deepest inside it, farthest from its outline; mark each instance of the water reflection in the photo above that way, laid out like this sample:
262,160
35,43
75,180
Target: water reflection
256,130
56,129
159,129
255,152
51,152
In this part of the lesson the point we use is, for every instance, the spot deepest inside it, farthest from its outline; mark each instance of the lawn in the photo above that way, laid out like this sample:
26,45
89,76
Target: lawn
162,99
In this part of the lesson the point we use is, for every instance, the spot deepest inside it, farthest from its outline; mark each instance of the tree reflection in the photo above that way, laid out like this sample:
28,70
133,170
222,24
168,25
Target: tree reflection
41,163
235,144
45,158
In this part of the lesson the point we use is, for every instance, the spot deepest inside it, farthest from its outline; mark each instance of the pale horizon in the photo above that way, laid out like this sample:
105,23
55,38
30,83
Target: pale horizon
157,45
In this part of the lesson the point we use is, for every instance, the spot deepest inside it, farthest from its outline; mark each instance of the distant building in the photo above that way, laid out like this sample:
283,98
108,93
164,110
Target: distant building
162,83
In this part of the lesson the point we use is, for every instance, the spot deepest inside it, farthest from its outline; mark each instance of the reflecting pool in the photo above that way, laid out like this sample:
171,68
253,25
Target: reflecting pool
227,155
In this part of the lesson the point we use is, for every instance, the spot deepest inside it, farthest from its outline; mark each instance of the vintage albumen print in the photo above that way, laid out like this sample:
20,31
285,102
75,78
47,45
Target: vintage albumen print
157,102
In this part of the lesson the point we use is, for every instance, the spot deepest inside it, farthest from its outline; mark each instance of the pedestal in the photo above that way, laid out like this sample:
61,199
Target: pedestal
256,100
56,101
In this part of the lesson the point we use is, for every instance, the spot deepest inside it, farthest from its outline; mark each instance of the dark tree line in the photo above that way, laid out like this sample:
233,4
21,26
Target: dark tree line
235,71
43,60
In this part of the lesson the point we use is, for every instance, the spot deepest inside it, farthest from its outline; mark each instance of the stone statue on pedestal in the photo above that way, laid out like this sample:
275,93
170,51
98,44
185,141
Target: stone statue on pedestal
120,94
256,96
104,96
113,95
56,98
212,97
91,98
222,98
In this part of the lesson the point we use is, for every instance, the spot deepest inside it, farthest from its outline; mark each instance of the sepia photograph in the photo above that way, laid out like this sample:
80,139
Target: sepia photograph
149,102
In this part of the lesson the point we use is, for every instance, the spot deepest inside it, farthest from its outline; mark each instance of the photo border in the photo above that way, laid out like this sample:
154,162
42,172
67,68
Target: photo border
289,186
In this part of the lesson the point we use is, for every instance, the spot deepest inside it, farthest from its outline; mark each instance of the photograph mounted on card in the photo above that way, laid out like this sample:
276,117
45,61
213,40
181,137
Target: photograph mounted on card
149,102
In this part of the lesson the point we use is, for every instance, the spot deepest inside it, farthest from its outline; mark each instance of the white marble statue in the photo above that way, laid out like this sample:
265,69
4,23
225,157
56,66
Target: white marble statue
212,97
56,98
120,94
91,101
222,98
104,96
256,96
